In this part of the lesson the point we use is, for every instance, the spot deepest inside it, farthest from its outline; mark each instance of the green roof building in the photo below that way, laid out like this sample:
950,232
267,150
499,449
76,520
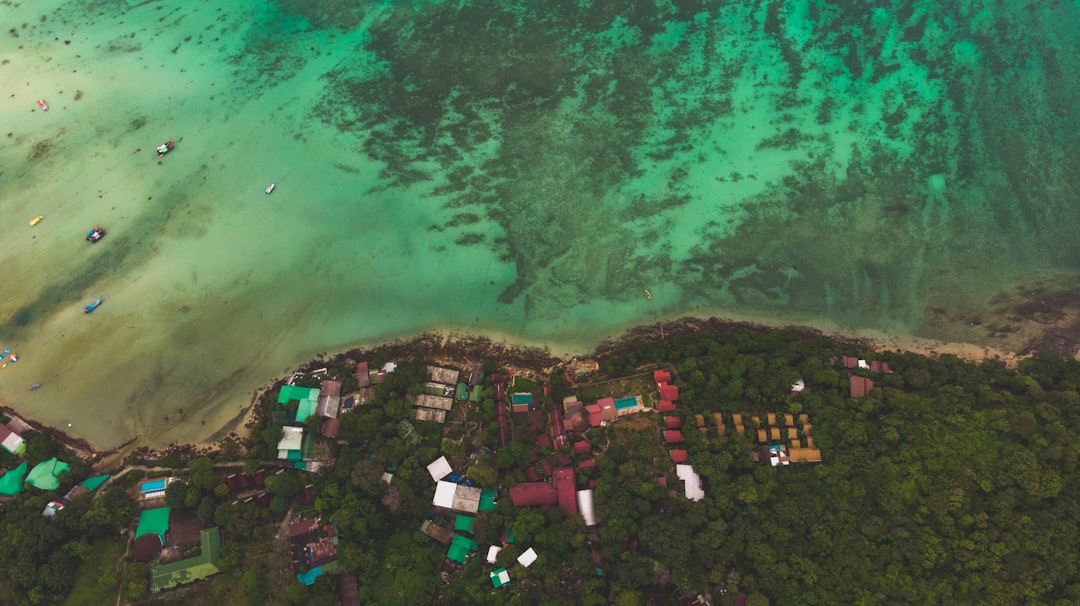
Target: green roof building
499,578
155,521
463,523
192,569
44,475
487,499
308,398
12,481
460,548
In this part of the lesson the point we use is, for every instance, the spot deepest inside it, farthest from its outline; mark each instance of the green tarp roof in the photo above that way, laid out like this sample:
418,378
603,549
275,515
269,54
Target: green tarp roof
487,499
305,410
91,484
155,521
462,391
521,398
12,482
44,475
460,549
192,569
463,523
292,392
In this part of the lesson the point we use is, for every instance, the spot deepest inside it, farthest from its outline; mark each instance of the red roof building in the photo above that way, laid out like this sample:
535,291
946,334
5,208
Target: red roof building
880,367
673,436
531,474
607,409
679,456
586,464
665,406
669,392
561,460
672,422
500,391
861,386
533,494
543,441
567,490
661,376
363,377
850,362
582,447
594,415
499,377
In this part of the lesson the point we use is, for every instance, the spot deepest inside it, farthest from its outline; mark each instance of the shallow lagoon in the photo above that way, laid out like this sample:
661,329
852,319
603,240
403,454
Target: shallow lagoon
488,167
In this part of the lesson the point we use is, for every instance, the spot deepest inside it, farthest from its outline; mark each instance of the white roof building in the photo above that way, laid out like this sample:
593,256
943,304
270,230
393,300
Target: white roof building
691,482
493,551
585,506
292,438
456,497
526,559
439,468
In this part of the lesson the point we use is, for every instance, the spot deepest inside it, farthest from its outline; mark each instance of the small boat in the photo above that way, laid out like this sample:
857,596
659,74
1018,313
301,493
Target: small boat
91,307
43,105
95,234
165,148
648,295
36,220
35,386
270,189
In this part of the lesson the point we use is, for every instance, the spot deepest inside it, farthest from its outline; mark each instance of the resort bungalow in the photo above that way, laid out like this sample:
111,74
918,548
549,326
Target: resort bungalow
291,442
860,386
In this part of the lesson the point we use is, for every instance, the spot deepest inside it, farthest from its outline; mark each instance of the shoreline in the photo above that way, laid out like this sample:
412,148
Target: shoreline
460,347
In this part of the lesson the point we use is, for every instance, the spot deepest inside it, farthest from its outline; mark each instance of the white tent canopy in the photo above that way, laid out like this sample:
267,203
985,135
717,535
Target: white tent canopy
585,506
526,559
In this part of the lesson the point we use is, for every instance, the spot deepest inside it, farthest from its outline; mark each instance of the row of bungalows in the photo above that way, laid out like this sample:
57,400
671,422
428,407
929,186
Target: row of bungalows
672,435
862,386
669,394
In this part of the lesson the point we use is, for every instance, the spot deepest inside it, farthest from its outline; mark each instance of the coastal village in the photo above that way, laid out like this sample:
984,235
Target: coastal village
556,434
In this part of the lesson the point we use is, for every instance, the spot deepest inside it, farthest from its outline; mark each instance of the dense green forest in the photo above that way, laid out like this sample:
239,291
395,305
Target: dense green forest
951,483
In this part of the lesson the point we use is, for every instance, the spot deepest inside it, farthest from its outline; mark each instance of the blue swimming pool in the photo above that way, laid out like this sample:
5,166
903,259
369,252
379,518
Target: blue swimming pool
152,485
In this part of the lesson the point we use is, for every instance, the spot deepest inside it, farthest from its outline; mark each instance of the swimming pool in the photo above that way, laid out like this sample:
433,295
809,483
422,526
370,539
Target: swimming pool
152,485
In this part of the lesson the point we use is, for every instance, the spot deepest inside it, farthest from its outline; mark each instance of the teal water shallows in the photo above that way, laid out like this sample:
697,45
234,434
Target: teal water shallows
509,167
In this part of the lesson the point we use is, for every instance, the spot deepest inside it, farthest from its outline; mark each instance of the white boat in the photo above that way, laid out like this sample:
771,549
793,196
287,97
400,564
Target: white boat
648,295
270,188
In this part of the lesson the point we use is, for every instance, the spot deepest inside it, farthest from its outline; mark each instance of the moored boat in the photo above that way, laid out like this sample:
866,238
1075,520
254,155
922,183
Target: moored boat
93,305
36,220
95,234
165,148
648,295
43,105
270,188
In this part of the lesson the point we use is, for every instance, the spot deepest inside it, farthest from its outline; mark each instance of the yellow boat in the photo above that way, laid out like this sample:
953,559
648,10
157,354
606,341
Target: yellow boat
36,220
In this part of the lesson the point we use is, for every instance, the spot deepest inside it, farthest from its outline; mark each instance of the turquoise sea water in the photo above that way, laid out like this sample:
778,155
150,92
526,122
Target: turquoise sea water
515,168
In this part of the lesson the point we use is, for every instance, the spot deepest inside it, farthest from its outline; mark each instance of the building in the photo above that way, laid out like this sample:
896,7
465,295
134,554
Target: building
439,533
533,494
329,402
860,386
691,482
11,441
587,507
191,569
456,497
307,399
363,375
563,479
292,439
446,376
439,468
